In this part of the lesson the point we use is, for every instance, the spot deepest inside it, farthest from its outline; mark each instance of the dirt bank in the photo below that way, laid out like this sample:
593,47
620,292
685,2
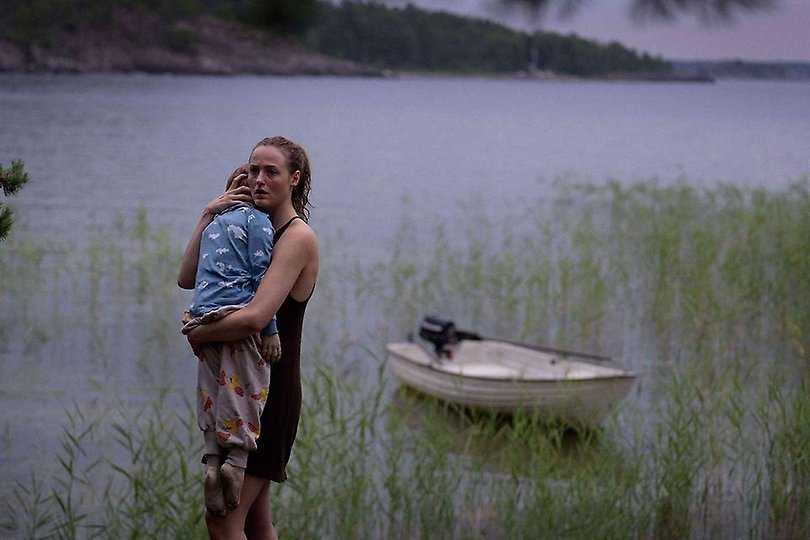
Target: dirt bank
143,42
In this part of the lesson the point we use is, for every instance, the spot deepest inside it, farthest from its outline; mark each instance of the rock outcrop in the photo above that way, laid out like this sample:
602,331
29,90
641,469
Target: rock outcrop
142,42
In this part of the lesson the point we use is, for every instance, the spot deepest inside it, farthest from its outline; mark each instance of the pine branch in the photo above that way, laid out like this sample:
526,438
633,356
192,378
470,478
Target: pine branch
6,221
11,180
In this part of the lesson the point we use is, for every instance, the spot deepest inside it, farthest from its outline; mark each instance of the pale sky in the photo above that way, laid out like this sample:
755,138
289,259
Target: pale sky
780,34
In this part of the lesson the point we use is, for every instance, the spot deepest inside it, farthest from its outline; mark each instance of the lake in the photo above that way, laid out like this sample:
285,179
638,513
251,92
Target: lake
121,165
103,145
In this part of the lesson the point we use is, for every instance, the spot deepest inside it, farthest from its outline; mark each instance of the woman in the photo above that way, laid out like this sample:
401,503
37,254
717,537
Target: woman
279,184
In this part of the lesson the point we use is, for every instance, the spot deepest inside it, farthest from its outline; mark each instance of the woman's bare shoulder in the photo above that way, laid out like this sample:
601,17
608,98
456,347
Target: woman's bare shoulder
299,237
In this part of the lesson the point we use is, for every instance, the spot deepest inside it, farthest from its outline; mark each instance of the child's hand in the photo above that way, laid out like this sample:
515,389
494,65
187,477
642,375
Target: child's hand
271,348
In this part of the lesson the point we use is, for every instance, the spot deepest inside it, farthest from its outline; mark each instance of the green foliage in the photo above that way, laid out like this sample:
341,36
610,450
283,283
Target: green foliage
577,56
37,22
370,33
286,16
713,442
11,180
170,11
411,38
147,491
415,39
182,40
706,10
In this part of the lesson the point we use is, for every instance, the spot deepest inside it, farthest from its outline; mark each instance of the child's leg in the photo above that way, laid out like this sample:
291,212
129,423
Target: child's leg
208,377
208,371
241,398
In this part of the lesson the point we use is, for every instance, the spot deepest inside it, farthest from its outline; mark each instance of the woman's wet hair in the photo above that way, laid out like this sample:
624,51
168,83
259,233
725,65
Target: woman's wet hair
297,160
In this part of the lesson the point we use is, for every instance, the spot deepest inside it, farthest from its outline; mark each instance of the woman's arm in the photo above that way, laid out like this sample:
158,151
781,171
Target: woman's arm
188,266
293,253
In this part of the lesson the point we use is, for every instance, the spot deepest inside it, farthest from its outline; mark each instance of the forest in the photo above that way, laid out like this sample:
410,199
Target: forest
415,39
409,39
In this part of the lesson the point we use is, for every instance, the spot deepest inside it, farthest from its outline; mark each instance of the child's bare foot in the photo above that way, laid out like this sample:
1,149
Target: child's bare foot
232,478
214,497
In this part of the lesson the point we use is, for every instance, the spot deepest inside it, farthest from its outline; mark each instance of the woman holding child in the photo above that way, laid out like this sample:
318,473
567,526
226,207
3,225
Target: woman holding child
278,183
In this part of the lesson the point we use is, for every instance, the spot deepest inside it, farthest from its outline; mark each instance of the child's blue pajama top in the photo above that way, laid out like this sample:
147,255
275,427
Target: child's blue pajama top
235,251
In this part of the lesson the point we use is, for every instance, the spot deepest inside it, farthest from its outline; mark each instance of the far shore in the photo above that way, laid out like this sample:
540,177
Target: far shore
320,67
553,76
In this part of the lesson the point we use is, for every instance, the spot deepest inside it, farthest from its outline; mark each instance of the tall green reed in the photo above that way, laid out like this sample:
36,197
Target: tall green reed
705,273
698,289
76,319
141,486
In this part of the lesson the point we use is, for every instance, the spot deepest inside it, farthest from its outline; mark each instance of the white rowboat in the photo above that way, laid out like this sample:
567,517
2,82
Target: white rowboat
507,377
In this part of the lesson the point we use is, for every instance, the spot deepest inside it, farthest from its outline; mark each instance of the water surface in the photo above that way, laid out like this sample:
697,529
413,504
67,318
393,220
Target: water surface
102,145
92,320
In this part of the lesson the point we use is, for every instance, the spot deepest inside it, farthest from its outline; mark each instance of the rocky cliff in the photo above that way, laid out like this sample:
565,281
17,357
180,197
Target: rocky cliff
143,42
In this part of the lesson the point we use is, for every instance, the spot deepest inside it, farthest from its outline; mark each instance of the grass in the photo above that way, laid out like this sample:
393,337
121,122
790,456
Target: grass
701,291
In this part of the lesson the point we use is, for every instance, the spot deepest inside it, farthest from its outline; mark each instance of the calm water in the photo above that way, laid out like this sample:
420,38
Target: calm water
100,146
384,152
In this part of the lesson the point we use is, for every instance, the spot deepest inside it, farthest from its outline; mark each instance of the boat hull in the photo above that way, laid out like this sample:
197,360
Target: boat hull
508,378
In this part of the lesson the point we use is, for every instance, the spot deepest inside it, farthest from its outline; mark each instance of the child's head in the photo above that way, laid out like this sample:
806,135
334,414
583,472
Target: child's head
238,178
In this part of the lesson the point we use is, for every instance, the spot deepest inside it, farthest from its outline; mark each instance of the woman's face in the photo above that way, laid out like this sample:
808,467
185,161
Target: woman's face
269,177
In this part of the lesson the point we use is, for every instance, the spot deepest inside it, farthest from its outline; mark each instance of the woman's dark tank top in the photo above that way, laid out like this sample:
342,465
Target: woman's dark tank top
279,422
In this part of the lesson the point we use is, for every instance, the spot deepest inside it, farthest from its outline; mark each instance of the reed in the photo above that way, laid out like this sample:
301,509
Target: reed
700,290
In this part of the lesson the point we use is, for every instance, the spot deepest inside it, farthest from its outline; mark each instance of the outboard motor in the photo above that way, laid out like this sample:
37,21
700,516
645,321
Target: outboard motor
440,332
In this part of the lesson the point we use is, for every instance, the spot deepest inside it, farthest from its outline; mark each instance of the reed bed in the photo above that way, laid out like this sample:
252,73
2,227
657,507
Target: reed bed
702,291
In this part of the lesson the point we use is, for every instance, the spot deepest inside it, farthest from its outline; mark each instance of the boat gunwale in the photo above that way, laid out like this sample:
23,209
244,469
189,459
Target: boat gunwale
435,366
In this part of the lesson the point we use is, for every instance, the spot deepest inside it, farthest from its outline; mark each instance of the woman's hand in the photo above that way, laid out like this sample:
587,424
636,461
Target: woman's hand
232,196
237,179
271,348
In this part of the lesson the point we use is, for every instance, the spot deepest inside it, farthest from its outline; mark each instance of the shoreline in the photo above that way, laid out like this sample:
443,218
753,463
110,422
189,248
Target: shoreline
332,71
409,75
551,76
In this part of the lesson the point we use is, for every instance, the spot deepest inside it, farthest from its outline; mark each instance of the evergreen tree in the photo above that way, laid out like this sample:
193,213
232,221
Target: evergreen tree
414,39
11,180
707,10
287,16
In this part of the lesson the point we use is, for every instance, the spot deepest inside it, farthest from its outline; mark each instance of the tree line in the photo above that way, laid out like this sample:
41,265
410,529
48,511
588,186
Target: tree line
370,33
414,39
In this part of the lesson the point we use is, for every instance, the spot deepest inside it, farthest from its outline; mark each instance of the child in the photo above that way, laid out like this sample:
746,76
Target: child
232,377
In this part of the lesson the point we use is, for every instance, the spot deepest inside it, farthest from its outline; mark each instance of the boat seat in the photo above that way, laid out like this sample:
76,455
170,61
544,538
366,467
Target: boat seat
489,371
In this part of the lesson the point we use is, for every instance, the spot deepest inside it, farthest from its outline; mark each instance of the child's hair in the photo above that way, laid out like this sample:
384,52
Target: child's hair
241,169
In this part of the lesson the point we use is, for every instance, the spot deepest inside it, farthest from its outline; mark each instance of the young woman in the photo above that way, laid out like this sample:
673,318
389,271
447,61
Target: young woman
278,183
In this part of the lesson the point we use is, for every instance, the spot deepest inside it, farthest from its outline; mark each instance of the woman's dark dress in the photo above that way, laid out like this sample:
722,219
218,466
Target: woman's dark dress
283,407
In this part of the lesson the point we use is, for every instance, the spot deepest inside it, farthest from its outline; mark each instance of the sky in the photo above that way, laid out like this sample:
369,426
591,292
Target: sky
781,34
